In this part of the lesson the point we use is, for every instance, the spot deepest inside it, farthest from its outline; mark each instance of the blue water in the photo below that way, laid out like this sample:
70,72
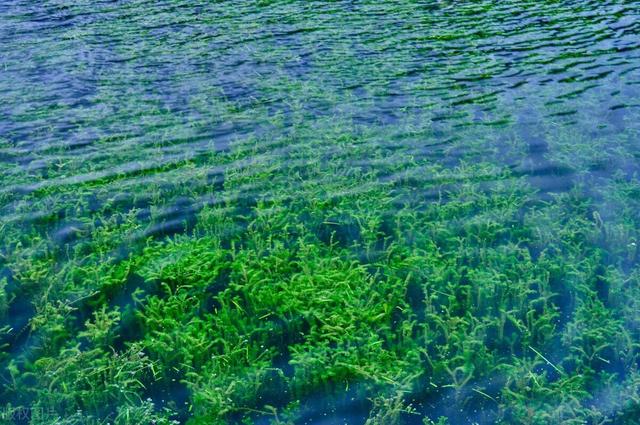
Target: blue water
125,123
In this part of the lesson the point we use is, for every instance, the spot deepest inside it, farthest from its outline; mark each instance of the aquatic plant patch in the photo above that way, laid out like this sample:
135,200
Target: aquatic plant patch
277,212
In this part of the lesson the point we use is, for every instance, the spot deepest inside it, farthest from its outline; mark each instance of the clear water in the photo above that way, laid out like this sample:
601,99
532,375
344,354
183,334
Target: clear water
319,212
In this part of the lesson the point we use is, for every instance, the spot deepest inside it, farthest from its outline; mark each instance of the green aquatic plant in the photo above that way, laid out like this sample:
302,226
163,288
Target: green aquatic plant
286,212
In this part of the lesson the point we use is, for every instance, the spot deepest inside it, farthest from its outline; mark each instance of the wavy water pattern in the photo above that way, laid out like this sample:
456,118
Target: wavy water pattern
275,211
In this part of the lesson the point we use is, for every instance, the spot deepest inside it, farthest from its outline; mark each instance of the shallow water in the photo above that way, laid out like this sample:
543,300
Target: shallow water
319,212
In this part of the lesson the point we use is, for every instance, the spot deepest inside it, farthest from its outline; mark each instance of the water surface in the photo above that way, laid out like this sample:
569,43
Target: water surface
319,212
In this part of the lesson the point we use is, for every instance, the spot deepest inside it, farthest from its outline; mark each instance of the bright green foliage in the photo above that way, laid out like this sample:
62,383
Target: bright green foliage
290,212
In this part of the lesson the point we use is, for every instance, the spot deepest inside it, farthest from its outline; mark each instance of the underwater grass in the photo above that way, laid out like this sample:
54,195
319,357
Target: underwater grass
363,222
464,301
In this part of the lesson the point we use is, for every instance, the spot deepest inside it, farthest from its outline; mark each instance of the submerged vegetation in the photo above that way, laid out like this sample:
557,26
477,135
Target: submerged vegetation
293,213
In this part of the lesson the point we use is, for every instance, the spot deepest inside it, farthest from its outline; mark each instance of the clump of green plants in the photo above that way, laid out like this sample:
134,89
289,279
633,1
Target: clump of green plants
286,212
